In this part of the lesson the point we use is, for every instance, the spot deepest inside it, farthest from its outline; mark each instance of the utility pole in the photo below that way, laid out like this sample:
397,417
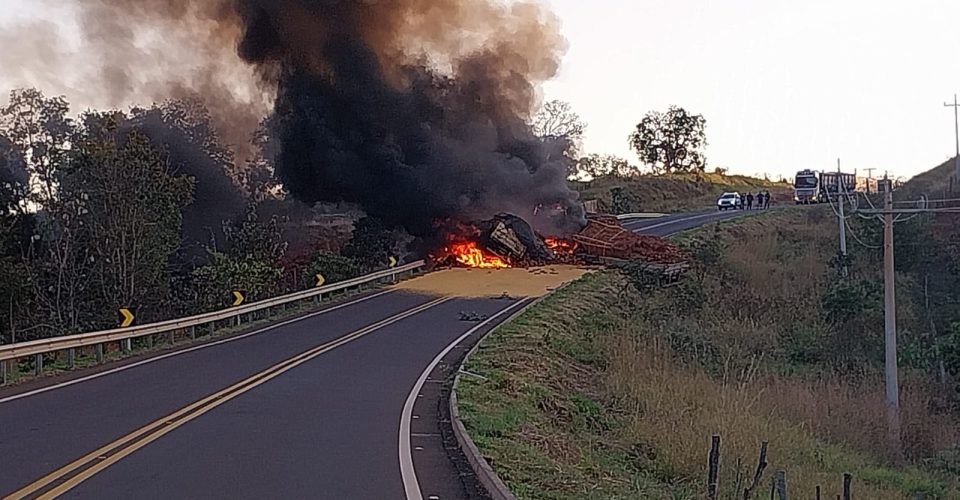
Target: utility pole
956,128
869,177
843,223
890,324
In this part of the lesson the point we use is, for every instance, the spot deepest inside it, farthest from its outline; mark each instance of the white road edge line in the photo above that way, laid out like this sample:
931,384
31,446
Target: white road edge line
411,485
191,349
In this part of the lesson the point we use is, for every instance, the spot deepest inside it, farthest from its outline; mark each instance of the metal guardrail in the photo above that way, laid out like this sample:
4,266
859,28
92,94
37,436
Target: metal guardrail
43,346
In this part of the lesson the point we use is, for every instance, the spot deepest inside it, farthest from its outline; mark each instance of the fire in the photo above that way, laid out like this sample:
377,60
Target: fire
559,246
470,254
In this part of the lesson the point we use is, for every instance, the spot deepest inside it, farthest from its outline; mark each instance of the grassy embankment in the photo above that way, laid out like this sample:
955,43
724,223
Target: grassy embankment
604,392
671,193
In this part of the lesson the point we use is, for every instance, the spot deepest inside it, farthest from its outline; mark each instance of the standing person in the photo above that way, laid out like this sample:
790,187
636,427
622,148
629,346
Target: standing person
749,201
759,200
766,200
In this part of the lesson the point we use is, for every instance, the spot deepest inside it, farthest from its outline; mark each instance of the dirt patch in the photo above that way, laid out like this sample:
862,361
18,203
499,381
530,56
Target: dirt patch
516,282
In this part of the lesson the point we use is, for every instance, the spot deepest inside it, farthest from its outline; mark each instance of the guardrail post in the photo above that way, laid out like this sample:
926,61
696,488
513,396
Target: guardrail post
71,357
171,336
213,327
99,353
126,345
38,364
149,341
193,332
3,373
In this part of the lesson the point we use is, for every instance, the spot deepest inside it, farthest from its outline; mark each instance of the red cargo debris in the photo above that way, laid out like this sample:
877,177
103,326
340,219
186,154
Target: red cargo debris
604,236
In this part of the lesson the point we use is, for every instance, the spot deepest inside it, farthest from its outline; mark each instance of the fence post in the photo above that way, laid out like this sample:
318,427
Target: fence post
847,479
761,466
714,467
38,364
781,481
99,353
71,357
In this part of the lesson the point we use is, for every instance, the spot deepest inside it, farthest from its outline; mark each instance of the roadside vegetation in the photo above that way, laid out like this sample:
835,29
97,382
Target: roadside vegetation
610,389
674,192
150,210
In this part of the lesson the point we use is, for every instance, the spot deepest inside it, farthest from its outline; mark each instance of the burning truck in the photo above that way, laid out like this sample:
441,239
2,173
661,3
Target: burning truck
507,240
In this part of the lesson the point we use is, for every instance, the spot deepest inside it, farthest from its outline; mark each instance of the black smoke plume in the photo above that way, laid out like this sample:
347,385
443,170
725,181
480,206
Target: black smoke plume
415,109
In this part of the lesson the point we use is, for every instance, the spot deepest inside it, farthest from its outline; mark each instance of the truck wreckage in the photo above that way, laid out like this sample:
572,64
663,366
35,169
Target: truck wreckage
507,240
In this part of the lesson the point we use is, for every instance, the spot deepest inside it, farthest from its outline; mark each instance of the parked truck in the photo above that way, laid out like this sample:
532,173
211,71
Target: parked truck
811,186
806,187
834,184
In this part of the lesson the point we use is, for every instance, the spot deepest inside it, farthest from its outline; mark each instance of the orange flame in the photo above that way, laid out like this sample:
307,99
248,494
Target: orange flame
470,254
561,246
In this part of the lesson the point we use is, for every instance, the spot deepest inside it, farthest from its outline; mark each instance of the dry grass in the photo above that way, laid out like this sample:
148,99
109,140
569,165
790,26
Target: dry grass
677,192
659,373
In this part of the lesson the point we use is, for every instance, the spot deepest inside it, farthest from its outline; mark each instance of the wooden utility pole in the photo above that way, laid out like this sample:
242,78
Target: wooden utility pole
956,128
841,194
890,325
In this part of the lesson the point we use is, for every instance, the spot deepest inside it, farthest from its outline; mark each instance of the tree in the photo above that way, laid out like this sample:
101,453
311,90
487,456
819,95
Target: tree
556,121
332,267
251,238
671,142
57,263
600,165
130,203
373,243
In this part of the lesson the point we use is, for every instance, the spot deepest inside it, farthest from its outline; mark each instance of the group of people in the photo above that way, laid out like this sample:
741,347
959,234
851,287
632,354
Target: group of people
761,199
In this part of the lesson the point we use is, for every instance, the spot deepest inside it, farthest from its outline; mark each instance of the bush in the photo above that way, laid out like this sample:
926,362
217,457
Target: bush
333,267
215,281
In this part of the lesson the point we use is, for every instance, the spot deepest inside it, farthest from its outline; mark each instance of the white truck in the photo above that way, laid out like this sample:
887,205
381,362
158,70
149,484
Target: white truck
806,187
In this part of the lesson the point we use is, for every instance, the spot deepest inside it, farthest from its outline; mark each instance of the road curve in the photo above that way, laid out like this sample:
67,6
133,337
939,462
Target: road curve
341,403
671,224
311,410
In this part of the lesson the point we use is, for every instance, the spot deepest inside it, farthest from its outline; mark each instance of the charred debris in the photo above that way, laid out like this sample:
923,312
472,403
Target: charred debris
507,240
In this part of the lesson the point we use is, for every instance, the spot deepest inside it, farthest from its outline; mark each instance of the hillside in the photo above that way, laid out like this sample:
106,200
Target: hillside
674,192
609,389
933,183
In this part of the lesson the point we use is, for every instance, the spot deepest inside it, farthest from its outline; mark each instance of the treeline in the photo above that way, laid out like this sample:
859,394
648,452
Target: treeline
144,209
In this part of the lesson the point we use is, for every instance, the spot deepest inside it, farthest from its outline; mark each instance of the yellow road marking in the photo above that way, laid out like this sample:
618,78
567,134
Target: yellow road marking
101,458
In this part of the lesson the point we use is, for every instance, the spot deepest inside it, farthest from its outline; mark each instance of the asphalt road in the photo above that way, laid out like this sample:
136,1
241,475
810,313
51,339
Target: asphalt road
339,404
322,425
675,223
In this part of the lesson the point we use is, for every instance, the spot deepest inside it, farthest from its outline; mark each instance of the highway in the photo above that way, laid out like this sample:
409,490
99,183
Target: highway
674,223
341,403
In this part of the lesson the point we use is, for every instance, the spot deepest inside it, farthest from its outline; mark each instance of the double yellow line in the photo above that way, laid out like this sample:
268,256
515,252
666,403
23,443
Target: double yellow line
67,477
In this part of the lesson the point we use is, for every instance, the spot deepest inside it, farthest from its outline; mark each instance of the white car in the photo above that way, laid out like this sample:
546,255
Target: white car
728,201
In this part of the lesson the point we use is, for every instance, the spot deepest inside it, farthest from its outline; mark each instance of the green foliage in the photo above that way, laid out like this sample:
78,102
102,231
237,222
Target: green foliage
333,267
253,239
373,243
671,142
623,201
706,251
129,202
845,302
854,309
597,165
216,281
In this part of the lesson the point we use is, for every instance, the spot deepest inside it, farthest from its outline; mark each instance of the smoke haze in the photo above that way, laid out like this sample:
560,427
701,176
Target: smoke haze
415,109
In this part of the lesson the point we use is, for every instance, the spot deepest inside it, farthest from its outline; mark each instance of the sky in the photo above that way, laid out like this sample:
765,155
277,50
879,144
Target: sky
783,85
